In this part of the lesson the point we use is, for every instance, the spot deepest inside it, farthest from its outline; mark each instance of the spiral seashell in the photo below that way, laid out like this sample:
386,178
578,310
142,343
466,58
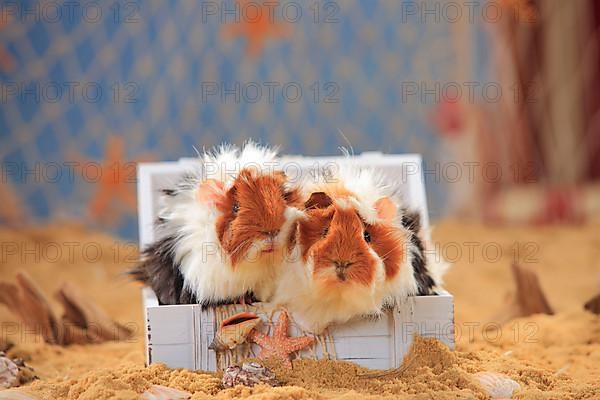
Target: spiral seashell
498,386
249,374
234,330
9,373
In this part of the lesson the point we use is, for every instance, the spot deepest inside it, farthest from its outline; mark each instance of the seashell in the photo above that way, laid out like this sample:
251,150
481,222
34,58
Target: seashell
16,394
234,330
498,386
9,373
158,392
250,374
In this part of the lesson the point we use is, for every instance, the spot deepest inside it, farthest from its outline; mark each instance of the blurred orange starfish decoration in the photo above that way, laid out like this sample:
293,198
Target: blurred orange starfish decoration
279,346
115,180
7,62
13,211
257,27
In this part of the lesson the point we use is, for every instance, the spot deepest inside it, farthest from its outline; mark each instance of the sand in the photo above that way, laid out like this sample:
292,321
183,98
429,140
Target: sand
551,357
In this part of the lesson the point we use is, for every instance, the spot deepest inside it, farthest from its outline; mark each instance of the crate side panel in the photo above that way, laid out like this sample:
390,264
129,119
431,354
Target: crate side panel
148,300
382,342
434,317
174,355
363,347
428,316
171,324
359,327
432,307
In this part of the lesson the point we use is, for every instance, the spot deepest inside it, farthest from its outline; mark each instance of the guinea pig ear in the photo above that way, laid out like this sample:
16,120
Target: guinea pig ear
318,200
280,174
210,191
386,209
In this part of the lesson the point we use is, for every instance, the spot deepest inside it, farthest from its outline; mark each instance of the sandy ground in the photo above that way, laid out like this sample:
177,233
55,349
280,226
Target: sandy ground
552,357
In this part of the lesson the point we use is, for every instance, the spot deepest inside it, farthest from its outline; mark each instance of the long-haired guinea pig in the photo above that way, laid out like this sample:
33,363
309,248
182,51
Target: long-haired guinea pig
352,253
223,231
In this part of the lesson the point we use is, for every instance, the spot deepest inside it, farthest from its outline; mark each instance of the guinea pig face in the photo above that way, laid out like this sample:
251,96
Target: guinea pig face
346,250
254,216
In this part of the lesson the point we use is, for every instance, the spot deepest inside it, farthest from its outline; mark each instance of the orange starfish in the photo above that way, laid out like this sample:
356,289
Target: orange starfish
7,62
256,27
114,178
13,211
280,346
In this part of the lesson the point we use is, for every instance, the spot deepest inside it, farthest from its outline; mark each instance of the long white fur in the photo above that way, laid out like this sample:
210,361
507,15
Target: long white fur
317,307
314,307
369,185
206,269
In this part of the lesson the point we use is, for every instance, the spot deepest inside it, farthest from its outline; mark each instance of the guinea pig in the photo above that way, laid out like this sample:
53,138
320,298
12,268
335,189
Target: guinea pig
353,252
334,271
223,230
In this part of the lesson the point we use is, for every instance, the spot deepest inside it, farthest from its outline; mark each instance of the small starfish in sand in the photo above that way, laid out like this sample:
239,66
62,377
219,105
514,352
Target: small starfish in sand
279,346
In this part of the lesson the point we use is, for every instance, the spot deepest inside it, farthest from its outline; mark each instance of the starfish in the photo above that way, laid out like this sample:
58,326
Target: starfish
279,346
114,179
114,182
13,211
257,29
7,63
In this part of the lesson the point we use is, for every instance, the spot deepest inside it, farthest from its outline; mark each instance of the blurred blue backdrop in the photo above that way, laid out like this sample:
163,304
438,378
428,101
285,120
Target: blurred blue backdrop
90,87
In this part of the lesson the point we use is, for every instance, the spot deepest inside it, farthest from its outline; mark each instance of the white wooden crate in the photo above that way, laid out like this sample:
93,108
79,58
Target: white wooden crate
179,335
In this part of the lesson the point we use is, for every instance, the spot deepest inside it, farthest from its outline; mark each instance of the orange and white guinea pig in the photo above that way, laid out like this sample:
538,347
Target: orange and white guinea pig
353,252
223,230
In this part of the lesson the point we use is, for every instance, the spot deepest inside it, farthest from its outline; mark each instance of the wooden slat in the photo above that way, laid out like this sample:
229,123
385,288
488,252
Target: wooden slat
364,327
403,314
357,342
198,348
207,334
434,317
364,347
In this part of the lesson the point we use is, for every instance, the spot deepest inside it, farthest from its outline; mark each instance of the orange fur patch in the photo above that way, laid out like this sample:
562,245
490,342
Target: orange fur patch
335,190
389,242
261,201
345,229
336,234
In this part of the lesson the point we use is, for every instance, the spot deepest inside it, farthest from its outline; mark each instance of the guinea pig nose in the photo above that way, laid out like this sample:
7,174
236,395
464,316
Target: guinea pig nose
272,233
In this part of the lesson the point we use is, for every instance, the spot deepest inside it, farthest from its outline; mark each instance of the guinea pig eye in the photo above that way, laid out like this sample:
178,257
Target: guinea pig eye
325,231
367,236
235,208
